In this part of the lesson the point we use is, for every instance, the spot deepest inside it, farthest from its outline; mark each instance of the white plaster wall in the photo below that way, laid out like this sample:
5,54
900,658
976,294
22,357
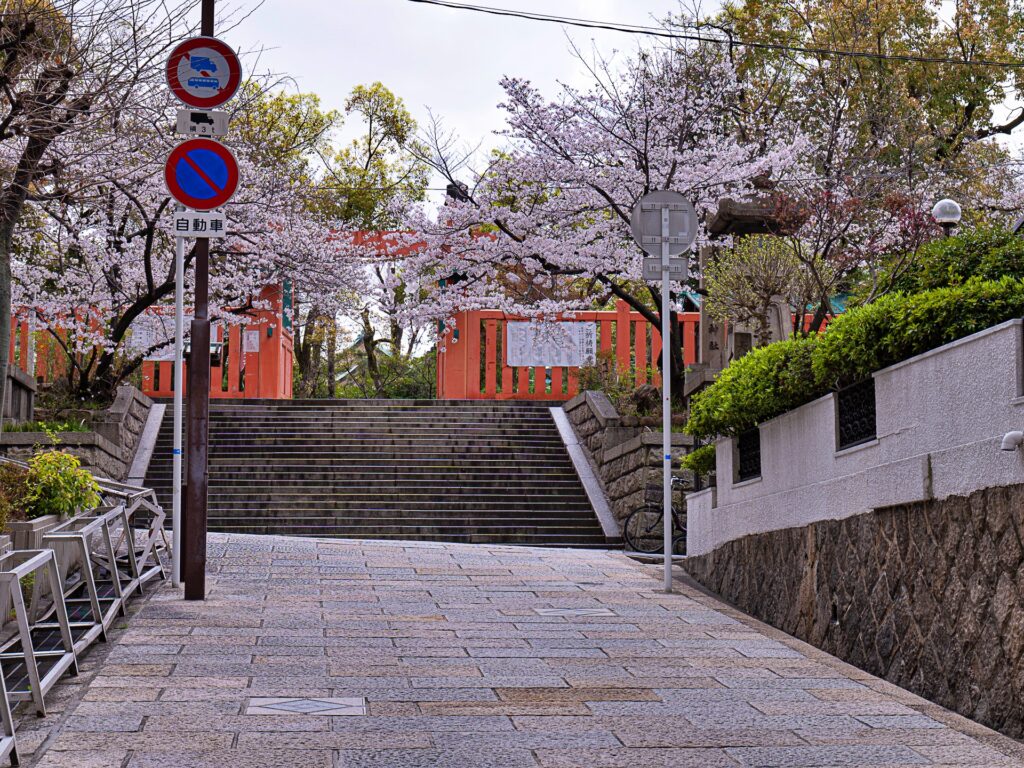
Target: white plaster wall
940,419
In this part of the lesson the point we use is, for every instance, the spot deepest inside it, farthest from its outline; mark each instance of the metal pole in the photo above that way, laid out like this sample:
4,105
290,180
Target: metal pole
199,406
179,345
666,393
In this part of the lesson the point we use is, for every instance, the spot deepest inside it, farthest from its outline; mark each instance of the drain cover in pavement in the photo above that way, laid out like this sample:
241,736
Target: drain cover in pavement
306,707
574,611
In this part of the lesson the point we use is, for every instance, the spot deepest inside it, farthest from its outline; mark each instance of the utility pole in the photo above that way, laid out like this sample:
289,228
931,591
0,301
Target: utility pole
202,175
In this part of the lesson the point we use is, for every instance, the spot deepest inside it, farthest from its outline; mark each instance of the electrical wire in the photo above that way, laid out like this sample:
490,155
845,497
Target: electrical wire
635,29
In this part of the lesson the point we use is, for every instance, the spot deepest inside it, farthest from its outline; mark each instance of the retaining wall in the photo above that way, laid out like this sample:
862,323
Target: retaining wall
928,595
940,419
625,457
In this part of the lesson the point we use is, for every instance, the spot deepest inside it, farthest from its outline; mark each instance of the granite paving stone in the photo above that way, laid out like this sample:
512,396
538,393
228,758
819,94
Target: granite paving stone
470,656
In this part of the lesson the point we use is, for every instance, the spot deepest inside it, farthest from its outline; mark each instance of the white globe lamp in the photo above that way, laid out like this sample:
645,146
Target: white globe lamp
947,214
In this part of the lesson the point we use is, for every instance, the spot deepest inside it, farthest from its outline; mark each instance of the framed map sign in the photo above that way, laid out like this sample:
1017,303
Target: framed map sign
551,345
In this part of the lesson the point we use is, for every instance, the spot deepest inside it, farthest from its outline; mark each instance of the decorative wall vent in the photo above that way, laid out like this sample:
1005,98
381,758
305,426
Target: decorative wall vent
856,413
748,449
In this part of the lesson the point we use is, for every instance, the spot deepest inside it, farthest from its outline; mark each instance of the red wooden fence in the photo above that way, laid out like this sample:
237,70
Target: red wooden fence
471,359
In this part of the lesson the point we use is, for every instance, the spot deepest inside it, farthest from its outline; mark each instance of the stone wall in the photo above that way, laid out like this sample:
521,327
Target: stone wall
928,595
108,449
625,456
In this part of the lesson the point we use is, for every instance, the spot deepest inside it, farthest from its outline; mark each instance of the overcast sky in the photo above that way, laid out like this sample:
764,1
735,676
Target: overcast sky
448,60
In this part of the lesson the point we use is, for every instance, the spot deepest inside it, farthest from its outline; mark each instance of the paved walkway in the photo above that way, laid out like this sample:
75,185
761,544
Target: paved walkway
466,656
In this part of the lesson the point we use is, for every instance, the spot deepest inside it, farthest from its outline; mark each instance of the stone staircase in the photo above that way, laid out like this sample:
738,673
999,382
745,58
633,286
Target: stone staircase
428,470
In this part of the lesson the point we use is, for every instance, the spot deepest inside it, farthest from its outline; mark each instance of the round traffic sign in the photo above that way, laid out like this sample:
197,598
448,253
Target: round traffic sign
201,174
647,226
203,72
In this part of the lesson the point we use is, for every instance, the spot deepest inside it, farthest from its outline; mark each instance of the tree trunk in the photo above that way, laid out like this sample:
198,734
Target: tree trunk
332,349
676,351
370,348
6,246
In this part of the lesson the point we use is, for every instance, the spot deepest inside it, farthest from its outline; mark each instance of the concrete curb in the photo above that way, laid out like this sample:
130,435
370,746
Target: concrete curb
147,442
587,475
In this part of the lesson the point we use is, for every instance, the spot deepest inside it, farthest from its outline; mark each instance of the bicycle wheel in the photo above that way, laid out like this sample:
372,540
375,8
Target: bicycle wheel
678,530
643,530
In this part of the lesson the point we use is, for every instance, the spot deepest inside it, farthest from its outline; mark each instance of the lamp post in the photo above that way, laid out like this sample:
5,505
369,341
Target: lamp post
947,214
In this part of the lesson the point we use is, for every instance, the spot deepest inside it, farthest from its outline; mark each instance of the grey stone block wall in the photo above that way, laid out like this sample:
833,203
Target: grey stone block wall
627,457
929,596
107,450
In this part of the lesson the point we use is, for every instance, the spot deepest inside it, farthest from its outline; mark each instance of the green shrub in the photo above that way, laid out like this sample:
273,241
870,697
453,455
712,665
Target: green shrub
13,491
67,425
760,385
898,326
771,380
701,461
58,486
988,253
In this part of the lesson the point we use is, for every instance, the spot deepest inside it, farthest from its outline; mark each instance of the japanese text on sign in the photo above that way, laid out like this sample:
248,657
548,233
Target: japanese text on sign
551,344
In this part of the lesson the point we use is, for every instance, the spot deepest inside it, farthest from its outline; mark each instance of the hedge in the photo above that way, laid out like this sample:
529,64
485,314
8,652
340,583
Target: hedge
988,253
701,461
771,380
897,327
762,384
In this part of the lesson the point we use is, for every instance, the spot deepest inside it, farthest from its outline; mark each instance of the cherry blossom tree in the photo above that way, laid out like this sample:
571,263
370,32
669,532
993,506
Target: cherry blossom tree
93,261
545,227
65,67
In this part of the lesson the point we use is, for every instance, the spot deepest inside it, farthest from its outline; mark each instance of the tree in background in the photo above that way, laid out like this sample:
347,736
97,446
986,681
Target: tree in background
359,183
937,110
886,137
551,212
744,282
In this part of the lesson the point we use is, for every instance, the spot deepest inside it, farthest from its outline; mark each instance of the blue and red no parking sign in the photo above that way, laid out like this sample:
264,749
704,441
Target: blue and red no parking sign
201,174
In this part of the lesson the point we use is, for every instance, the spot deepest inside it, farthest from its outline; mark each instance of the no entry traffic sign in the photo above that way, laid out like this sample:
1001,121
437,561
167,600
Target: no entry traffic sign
203,72
201,174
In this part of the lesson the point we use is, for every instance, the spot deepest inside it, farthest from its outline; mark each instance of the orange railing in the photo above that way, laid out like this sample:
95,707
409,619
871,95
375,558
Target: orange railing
266,373
261,368
471,360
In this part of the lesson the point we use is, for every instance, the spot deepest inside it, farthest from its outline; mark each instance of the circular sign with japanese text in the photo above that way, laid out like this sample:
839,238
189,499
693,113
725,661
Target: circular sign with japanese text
201,174
203,72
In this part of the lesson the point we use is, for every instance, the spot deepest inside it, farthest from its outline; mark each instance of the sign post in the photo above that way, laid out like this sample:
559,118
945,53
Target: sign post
664,224
201,174
179,345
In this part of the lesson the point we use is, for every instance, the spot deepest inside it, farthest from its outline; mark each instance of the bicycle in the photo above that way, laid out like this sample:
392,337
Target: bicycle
643,529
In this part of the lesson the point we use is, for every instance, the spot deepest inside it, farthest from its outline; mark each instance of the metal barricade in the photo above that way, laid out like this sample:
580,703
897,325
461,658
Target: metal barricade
94,589
41,651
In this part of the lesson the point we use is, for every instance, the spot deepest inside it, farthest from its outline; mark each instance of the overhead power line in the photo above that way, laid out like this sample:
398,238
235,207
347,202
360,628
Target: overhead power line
647,31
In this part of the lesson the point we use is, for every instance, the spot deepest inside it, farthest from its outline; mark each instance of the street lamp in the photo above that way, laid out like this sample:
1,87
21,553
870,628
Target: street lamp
947,214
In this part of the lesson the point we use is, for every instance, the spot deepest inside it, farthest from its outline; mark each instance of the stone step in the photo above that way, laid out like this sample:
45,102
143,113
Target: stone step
429,470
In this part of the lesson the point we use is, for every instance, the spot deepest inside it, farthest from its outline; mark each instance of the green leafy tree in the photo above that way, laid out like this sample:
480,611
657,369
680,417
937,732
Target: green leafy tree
378,167
744,282
937,109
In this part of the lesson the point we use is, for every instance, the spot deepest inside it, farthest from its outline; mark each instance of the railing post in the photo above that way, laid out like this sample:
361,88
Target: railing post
622,340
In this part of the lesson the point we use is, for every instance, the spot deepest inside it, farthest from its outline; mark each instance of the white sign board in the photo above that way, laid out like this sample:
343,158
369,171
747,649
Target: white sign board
551,345
250,341
199,122
199,224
